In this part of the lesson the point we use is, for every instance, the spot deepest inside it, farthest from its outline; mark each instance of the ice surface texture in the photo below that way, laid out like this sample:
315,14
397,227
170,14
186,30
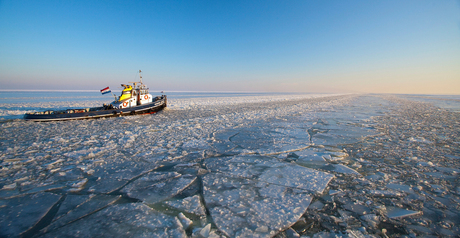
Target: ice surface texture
254,196
248,208
270,170
237,167
123,220
20,214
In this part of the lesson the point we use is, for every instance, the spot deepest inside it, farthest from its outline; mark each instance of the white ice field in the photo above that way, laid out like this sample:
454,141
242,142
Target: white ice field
233,166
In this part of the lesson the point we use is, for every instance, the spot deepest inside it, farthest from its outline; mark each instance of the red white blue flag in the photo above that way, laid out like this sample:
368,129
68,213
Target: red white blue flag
105,90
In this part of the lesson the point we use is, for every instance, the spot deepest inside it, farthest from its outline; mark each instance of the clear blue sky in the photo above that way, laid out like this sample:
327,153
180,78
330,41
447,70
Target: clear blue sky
389,46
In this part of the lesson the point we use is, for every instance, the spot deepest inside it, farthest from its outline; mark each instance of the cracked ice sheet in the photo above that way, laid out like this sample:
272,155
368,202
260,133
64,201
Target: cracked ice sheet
157,186
114,176
397,213
271,170
247,208
258,196
22,213
337,128
123,220
279,139
189,204
70,203
340,168
71,210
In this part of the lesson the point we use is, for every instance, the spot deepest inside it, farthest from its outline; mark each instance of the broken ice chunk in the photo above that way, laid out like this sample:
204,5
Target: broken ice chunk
396,212
186,222
10,186
400,187
334,156
340,168
291,233
252,139
441,175
384,193
297,177
339,154
313,154
437,188
419,140
453,171
316,205
374,177
357,208
115,175
344,215
70,203
355,233
371,219
205,231
327,157
311,159
22,213
240,207
189,204
124,220
78,186
425,164
271,170
195,145
157,186
334,192
84,209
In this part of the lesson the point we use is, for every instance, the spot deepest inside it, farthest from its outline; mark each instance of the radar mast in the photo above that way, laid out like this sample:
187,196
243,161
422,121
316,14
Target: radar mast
140,76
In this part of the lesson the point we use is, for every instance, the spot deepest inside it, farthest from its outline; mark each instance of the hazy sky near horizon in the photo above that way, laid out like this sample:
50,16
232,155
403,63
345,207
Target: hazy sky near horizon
393,46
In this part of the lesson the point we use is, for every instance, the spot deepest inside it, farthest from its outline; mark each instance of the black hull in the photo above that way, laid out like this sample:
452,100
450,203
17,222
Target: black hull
149,108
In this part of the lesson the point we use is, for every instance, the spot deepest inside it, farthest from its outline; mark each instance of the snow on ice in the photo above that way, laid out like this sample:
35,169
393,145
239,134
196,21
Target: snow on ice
258,166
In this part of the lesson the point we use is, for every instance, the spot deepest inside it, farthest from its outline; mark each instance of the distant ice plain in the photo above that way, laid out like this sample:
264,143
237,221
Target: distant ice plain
236,156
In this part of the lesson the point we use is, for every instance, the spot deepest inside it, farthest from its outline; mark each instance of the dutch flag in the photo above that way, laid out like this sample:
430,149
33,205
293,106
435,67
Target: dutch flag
105,90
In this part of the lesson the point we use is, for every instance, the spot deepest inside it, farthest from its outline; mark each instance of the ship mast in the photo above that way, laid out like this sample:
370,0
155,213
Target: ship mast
140,82
140,76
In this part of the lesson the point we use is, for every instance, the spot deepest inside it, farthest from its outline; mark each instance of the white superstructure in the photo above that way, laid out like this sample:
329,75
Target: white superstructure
135,95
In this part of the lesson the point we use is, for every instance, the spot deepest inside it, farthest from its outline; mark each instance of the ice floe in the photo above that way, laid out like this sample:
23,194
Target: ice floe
244,207
373,165
128,220
20,215
191,205
155,187
395,212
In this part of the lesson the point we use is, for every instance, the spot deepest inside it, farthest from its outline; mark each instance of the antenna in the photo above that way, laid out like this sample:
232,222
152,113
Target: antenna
140,76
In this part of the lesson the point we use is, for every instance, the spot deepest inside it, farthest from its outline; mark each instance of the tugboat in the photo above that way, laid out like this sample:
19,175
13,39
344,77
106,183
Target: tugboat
133,100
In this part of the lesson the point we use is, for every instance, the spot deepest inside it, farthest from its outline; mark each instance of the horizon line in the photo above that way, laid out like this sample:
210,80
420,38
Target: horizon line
190,91
174,91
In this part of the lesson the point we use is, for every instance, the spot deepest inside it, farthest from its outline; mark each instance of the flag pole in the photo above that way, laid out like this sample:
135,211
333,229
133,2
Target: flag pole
107,90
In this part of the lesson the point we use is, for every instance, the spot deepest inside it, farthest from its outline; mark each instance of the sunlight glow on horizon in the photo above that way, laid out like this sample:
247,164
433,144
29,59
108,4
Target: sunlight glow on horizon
259,46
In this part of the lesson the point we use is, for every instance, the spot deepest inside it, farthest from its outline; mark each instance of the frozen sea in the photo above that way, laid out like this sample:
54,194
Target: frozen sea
233,165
